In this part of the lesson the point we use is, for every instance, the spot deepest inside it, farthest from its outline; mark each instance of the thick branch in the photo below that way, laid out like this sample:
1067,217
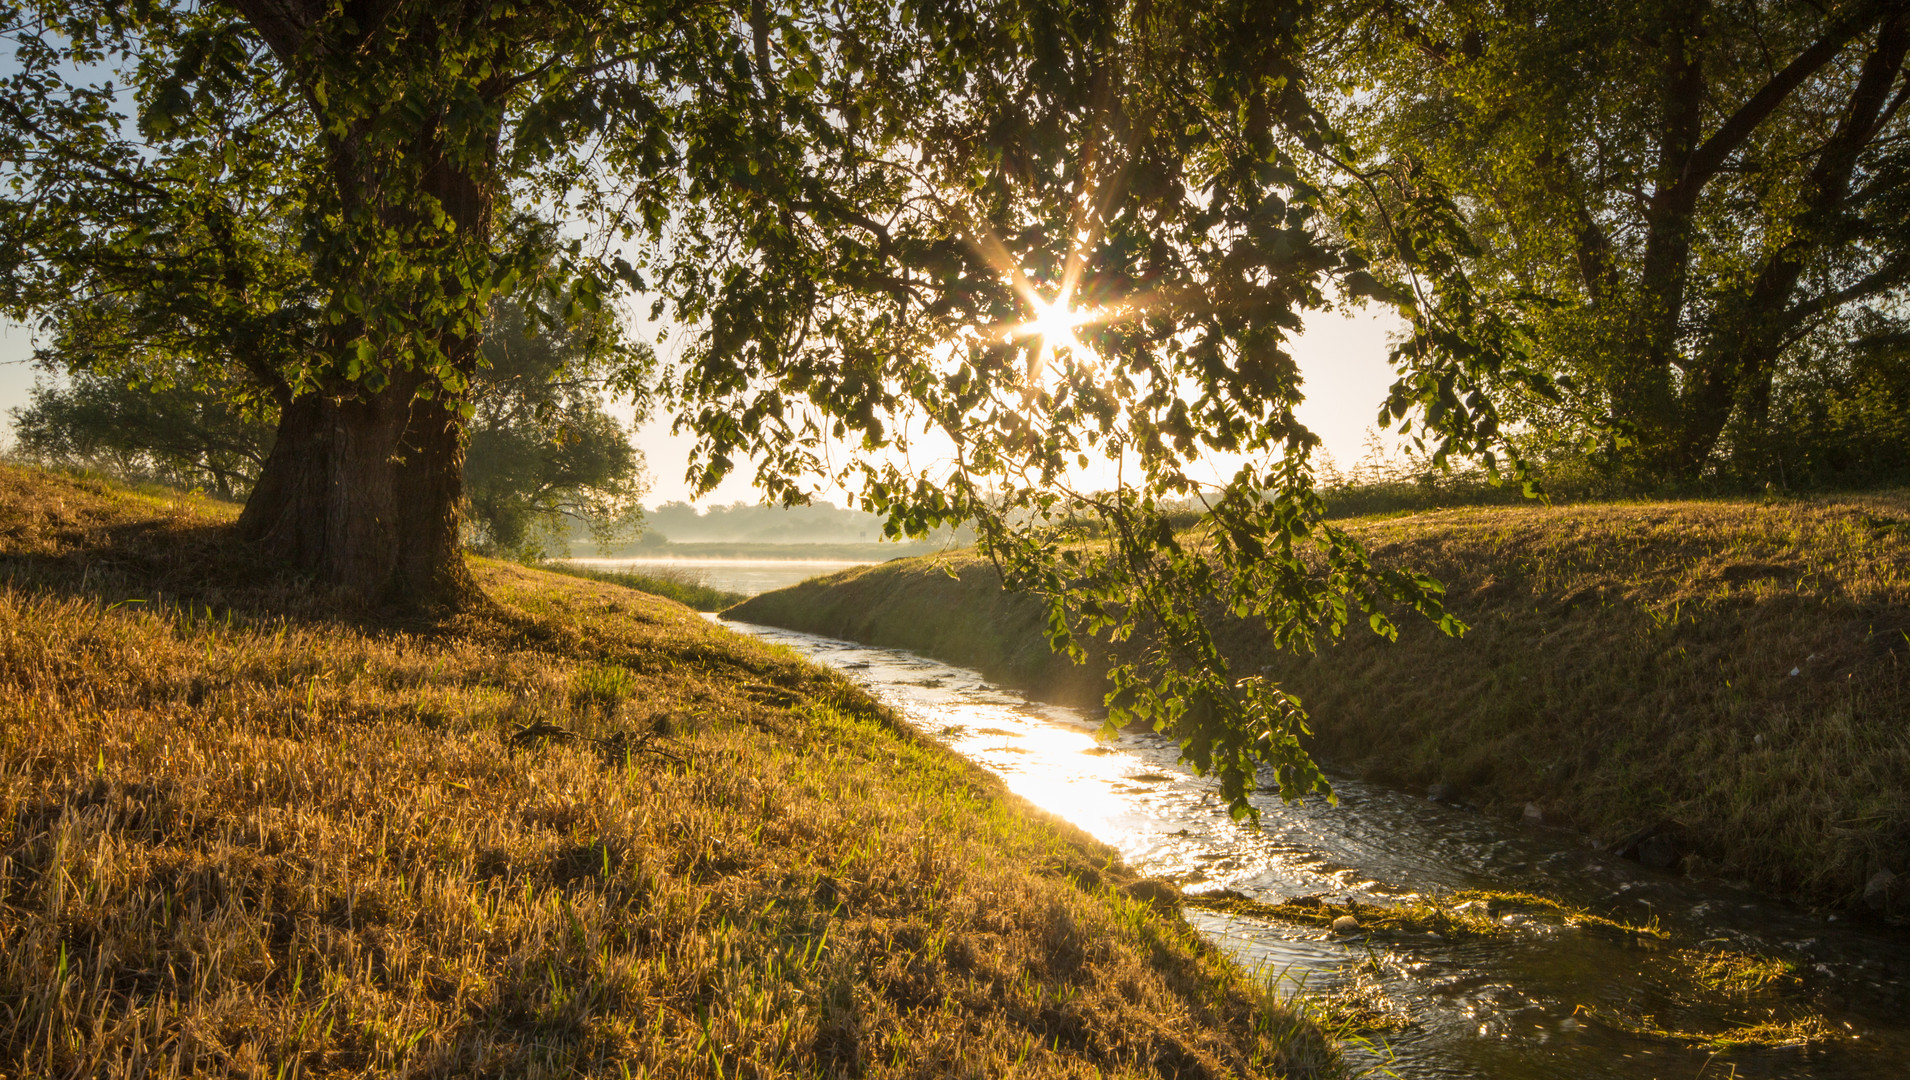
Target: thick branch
1710,156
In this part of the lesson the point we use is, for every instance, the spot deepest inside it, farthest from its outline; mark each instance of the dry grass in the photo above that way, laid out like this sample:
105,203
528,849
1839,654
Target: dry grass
586,834
1634,663
1627,664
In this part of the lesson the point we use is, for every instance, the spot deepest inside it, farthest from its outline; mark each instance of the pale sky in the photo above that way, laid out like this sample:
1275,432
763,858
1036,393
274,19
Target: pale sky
1342,359
16,373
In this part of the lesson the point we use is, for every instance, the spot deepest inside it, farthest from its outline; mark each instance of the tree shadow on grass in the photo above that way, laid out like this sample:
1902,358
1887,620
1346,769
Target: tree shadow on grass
86,537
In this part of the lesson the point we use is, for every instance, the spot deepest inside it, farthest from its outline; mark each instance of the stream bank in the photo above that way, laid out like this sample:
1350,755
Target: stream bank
1721,682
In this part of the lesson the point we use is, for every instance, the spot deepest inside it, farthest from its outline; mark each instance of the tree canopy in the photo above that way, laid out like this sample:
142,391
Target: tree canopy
1690,206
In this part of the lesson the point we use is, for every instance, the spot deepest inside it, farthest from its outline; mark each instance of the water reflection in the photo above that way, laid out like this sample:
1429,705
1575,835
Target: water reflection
1525,1004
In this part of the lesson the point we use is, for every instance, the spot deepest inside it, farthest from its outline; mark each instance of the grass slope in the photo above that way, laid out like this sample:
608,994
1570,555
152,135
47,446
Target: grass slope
245,833
1737,667
951,607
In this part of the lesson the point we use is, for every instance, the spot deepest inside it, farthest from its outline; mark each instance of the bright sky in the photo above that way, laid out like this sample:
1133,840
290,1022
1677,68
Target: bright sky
16,373
1342,358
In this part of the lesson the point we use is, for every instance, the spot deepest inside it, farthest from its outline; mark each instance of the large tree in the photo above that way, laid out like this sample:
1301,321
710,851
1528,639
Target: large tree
1677,195
327,197
1046,233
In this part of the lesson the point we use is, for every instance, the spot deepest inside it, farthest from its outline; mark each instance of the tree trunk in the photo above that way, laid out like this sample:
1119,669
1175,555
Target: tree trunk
363,493
363,488
1644,391
1751,330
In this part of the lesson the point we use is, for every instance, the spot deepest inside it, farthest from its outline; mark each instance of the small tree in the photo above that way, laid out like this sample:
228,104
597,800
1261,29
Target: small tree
543,452
173,432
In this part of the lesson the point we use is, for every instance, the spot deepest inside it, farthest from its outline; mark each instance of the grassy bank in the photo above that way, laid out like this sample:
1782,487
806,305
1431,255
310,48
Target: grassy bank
1737,668
244,832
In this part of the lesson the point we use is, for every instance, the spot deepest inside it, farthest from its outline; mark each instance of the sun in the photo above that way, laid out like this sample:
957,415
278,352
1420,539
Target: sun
1055,323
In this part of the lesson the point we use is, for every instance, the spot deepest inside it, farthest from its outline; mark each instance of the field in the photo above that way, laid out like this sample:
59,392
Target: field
1736,670
248,831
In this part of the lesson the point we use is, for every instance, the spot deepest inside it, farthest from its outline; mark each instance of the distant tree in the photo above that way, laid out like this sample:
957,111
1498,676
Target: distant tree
172,432
542,452
1689,203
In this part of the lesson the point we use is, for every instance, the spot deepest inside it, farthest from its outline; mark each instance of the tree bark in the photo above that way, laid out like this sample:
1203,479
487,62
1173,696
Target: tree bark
1644,391
363,493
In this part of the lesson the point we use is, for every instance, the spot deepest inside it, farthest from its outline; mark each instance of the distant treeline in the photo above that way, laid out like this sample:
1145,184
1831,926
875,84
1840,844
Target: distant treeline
820,522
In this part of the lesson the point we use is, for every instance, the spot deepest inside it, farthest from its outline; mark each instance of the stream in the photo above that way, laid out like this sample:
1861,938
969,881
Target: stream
1527,1003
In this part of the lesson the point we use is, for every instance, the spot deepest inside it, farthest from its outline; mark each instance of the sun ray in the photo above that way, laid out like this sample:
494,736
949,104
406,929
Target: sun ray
1055,321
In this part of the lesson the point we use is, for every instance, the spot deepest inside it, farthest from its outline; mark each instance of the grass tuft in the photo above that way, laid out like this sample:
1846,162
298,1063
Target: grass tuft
602,687
1740,974
1462,915
1766,1034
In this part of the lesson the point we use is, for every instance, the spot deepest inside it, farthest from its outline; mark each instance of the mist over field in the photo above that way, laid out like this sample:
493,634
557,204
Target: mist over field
821,522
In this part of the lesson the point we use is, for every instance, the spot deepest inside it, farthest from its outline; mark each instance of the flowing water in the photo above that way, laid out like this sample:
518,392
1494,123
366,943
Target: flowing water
1524,1004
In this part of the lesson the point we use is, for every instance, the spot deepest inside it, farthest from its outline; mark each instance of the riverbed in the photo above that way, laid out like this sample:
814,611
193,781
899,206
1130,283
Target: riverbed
1541,999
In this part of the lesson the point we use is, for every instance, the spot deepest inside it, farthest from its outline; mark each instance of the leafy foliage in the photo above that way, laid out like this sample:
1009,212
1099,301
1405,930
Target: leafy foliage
1687,207
1024,264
